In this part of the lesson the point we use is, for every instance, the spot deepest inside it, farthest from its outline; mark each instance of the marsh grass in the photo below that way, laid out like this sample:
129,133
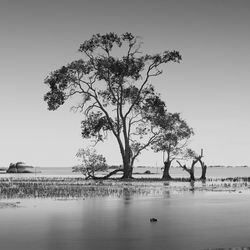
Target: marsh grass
54,187
77,187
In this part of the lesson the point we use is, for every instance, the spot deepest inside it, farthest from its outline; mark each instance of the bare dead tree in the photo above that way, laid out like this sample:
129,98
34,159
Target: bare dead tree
189,170
203,166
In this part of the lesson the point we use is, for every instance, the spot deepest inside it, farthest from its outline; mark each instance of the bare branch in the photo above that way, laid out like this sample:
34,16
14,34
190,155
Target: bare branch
150,141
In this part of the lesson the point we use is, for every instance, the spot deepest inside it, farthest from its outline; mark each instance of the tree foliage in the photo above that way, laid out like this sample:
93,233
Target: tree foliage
174,136
173,140
90,162
113,81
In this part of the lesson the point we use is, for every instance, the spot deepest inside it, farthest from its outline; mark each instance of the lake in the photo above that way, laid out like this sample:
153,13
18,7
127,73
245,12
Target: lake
189,220
219,172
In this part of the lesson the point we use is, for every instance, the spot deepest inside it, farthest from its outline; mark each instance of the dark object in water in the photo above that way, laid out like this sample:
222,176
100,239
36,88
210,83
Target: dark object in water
153,220
21,167
3,170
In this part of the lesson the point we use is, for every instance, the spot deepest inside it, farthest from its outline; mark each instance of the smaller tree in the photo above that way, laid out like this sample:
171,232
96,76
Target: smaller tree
172,140
203,165
91,162
189,154
196,159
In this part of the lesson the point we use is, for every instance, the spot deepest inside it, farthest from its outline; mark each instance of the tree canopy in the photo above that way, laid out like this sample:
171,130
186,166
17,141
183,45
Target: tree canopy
90,162
114,83
172,140
173,137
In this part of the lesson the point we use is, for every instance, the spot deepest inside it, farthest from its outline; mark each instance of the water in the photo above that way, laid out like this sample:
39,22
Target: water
185,221
220,172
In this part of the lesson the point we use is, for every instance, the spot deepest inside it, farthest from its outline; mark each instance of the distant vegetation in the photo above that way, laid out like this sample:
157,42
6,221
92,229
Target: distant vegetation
222,166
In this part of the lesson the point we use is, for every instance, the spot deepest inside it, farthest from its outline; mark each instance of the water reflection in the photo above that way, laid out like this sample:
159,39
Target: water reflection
185,221
115,215
127,196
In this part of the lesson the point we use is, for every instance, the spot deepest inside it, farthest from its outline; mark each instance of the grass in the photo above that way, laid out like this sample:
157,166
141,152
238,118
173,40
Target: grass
74,187
45,187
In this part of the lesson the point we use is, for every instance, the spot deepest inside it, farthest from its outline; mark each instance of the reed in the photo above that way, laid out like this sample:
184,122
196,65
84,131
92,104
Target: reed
77,187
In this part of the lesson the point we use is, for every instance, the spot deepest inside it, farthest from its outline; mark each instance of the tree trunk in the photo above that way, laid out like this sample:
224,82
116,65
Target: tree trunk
127,161
127,172
203,166
204,171
192,178
189,170
104,177
166,175
128,169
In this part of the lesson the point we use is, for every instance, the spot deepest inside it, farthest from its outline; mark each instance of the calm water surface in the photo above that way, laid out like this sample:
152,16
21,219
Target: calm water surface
157,172
188,220
220,172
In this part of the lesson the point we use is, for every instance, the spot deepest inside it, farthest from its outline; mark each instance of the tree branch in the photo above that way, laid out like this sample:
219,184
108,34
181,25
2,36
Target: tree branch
151,66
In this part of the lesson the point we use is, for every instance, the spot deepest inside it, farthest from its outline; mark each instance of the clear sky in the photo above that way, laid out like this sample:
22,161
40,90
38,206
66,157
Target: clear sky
210,88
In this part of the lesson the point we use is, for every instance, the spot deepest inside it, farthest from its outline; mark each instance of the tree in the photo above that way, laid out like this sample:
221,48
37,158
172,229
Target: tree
196,158
172,140
189,170
91,162
116,94
203,165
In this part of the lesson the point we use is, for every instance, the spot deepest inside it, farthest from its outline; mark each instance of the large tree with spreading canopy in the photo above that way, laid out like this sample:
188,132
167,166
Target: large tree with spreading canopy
113,82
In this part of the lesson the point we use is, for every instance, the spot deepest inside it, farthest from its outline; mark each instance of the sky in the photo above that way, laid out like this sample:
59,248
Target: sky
210,87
